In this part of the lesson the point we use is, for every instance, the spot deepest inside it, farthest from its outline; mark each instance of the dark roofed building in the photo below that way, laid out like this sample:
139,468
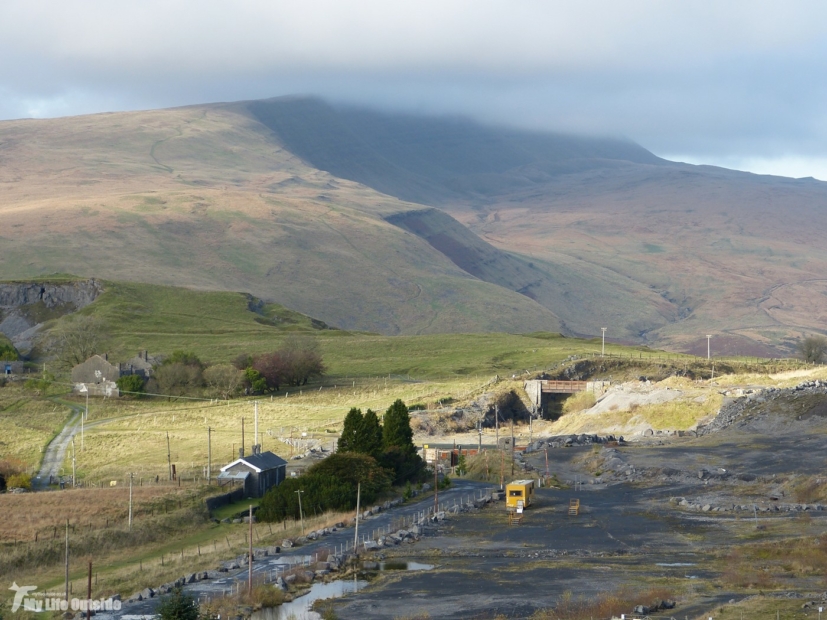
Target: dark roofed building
142,364
258,473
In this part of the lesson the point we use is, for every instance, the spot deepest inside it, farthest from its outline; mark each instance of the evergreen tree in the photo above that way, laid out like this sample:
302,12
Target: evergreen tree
178,605
370,440
397,432
400,455
349,441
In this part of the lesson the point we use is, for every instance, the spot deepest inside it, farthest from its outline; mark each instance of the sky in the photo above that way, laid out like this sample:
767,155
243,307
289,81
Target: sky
738,83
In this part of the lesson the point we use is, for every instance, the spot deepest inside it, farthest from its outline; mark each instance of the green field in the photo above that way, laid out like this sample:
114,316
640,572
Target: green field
218,326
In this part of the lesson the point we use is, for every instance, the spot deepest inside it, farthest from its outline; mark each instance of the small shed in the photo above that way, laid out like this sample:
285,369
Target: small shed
258,472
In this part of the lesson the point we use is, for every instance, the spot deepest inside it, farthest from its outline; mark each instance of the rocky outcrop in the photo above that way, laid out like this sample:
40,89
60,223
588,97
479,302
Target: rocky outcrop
25,306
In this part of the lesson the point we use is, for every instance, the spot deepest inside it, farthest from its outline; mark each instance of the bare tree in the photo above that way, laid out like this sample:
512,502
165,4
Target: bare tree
76,339
224,380
813,348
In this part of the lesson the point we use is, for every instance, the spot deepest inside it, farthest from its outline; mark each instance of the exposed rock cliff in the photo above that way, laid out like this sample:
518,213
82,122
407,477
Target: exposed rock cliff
25,306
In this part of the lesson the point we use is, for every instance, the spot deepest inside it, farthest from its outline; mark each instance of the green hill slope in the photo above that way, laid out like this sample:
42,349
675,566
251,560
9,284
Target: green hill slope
204,197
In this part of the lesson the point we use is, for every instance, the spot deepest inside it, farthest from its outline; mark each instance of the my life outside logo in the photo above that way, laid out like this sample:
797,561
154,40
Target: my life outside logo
27,599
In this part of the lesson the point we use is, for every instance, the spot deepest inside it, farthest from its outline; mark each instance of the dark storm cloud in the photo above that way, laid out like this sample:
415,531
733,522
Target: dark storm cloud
735,82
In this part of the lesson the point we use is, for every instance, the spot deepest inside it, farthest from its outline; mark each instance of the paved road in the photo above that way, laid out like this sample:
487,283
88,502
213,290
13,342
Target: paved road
56,450
460,491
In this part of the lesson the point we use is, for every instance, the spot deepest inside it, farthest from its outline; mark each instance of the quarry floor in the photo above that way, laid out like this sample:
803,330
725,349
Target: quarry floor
628,534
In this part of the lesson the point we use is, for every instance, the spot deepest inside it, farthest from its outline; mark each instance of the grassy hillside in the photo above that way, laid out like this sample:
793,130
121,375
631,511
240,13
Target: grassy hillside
566,234
205,197
218,326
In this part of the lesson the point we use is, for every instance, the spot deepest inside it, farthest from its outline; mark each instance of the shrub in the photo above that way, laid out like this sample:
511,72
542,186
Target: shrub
19,481
178,605
131,384
178,379
813,348
256,384
328,485
224,380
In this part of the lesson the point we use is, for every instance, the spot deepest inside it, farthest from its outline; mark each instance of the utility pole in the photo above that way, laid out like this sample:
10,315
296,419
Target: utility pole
502,469
436,482
250,559
708,346
603,345
497,423
242,437
301,514
130,501
169,458
74,482
255,436
479,430
89,591
209,455
66,562
512,445
356,534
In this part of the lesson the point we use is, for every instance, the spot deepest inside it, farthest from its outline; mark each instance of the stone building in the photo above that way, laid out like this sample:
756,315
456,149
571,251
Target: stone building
97,376
141,364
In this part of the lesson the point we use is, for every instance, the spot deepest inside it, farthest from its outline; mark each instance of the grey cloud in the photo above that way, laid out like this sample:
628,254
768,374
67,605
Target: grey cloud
706,79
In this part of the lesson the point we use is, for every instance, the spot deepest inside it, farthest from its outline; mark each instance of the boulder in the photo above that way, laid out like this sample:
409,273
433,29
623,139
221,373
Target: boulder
286,543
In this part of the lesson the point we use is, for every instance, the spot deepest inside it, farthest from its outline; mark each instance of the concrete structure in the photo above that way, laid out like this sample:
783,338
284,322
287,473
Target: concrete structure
539,390
97,375
258,473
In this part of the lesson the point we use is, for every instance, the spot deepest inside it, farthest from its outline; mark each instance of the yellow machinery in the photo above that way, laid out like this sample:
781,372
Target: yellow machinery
519,495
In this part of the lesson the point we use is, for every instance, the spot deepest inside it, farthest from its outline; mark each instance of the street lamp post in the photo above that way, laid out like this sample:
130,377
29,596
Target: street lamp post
301,515
603,345
708,349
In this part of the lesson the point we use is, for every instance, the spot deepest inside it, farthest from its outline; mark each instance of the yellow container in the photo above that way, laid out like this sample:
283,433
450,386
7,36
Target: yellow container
519,494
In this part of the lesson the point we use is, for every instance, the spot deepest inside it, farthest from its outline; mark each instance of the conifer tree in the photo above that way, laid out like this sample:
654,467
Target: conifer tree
370,440
397,428
349,441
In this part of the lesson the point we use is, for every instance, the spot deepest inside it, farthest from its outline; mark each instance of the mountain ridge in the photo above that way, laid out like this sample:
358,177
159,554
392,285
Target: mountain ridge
565,233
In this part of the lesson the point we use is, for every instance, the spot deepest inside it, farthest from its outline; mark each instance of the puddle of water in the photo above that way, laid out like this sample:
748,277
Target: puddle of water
404,566
675,564
299,609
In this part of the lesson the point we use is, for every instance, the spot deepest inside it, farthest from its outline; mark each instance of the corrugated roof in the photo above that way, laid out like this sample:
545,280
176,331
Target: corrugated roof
259,462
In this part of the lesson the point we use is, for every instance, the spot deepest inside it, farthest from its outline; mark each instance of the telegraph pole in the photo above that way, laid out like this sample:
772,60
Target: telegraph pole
130,501
255,435
66,562
497,423
242,436
250,561
436,481
603,345
301,514
209,455
169,458
89,591
512,445
356,533
74,482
